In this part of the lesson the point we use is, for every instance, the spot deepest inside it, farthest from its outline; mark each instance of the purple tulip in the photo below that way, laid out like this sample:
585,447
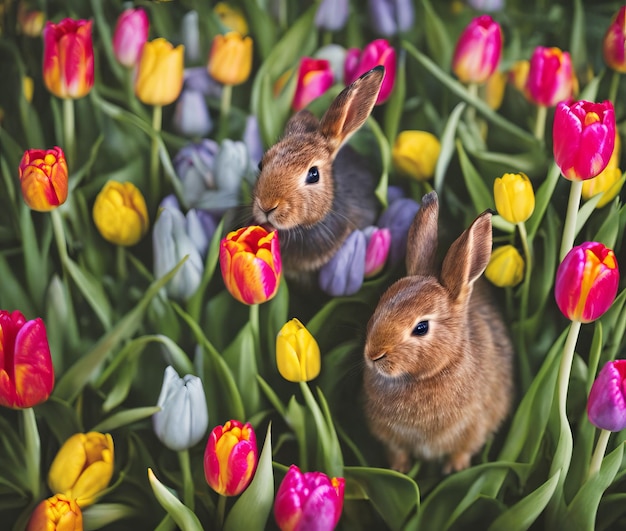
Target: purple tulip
606,407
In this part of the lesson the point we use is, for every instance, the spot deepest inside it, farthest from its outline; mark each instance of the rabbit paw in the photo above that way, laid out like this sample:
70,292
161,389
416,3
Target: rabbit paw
456,462
399,460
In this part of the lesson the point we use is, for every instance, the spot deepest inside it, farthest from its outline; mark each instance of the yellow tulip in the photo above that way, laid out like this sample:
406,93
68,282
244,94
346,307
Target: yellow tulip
230,59
494,89
83,467
297,353
608,180
415,154
506,267
160,75
120,213
232,18
514,196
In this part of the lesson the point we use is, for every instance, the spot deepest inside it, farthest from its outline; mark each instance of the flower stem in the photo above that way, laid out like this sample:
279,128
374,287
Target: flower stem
524,365
569,229
220,512
225,103
598,454
472,89
69,133
185,468
254,327
59,235
120,255
155,182
540,122
32,444
615,78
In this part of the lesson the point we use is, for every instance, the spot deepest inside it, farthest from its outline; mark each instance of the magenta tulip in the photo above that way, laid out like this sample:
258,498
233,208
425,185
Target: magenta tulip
131,33
377,52
614,42
606,407
550,76
315,77
478,50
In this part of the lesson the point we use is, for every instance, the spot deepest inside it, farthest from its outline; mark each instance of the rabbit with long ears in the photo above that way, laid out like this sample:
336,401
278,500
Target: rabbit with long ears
438,376
313,187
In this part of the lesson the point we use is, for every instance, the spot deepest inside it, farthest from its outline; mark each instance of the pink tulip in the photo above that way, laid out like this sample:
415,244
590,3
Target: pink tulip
377,52
315,77
131,33
614,43
606,407
550,76
478,50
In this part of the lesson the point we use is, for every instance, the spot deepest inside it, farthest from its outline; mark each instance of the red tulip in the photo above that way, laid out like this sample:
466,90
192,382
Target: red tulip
478,50
377,52
43,178
550,77
315,77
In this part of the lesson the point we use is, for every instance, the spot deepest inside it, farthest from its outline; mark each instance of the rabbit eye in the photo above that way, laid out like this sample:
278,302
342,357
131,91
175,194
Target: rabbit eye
421,329
313,176
260,165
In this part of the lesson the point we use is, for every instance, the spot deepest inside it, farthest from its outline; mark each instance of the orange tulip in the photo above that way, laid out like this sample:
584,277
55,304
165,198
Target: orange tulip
43,178
230,59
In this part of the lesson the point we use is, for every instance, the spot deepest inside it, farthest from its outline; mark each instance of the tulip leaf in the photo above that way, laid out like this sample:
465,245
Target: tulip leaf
385,153
13,294
478,191
35,260
448,146
437,37
183,516
295,418
395,104
395,496
585,211
271,396
124,418
254,506
614,223
263,27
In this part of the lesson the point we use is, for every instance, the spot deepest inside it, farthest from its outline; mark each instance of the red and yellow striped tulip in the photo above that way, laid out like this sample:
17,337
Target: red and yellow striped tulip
43,178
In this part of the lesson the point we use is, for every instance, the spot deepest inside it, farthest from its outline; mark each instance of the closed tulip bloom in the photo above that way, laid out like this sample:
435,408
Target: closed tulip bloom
550,76
309,500
343,274
230,458
58,513
160,73
230,58
614,43
297,353
478,51
130,35
518,76
231,17
397,217
26,372
68,67
606,406
83,467
251,264
184,417
583,138
415,154
390,17
586,282
514,195
43,178
607,180
191,116
120,213
494,89
377,52
332,15
377,250
315,77
505,267
30,21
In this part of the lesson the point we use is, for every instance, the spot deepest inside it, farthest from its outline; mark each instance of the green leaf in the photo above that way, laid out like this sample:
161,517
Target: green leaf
394,106
124,418
271,396
478,191
183,516
438,38
241,359
254,506
542,199
263,27
614,223
448,147
385,152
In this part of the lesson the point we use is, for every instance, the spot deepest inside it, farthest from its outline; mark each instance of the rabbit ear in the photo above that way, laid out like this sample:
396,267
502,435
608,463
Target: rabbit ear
303,121
351,108
421,248
467,257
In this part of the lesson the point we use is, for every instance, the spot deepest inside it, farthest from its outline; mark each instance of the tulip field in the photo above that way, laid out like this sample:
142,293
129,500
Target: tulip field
206,209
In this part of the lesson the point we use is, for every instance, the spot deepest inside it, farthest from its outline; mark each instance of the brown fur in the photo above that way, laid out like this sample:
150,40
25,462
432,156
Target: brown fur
313,220
443,394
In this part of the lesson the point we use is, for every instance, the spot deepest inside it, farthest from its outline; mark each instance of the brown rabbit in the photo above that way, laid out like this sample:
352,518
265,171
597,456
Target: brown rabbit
311,189
438,359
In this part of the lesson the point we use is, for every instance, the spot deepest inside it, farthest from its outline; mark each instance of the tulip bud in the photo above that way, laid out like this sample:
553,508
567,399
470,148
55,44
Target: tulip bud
120,213
551,77
505,267
230,58
343,274
515,199
583,138
309,500
397,217
332,15
184,417
231,18
494,89
606,181
586,282
159,79
377,52
614,42
415,154
43,178
230,458
518,76
30,21
391,17
315,77
130,35
190,35
478,50
377,250
251,264
26,372
297,353
606,407
191,116
83,467
56,513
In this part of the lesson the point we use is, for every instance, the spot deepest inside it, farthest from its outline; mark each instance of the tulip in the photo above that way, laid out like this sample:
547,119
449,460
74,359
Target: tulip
390,17
251,264
486,5
505,267
606,406
415,154
184,417
377,52
297,353
335,54
332,15
198,79
551,78
30,21
518,76
190,36
83,467
230,458
26,372
377,250
120,213
230,58
343,274
130,35
315,77
191,115
252,139
586,282
614,42
309,500
43,178
583,138
56,513
494,89
397,217
478,50
515,199
68,67
28,87
606,181
160,72
194,165
231,17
